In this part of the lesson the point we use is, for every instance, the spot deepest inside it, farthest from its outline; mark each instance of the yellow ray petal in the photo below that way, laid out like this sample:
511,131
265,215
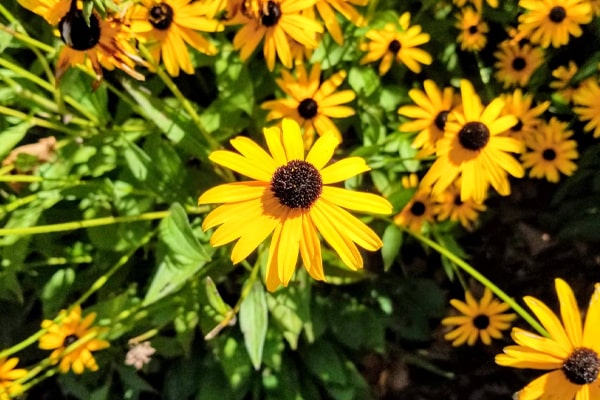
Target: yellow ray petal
241,164
569,312
357,201
292,140
344,169
322,151
591,331
310,249
549,321
234,192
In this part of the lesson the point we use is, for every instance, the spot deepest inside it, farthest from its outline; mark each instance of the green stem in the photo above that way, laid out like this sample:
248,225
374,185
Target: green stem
23,73
482,279
38,121
32,43
187,106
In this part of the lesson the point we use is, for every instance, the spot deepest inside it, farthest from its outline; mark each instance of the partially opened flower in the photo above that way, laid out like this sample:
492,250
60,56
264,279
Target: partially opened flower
484,319
474,148
168,26
570,353
69,329
8,375
587,105
277,22
429,114
550,151
473,30
292,199
517,63
550,22
562,80
311,103
398,43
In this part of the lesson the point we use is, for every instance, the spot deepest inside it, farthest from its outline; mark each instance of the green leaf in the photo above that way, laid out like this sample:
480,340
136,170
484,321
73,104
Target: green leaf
56,291
180,256
254,321
76,84
392,241
12,136
132,381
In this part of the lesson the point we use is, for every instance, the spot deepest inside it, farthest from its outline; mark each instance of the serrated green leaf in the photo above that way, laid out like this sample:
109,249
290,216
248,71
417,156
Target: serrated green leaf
254,321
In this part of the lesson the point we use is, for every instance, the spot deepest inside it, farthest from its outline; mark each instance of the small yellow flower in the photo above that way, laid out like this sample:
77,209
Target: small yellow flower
396,43
570,354
562,82
8,374
587,105
448,205
484,319
472,30
551,152
70,329
528,114
517,63
419,210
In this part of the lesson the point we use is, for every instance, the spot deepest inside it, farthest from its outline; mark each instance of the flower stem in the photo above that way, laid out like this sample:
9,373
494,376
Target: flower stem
481,279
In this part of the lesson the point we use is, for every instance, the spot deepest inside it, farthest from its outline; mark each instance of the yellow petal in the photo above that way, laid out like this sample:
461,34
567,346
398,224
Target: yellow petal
592,325
292,140
233,192
357,201
550,322
322,151
569,312
241,164
344,169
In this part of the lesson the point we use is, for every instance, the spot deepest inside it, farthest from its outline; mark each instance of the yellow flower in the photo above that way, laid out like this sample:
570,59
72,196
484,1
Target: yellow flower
70,329
474,148
521,106
516,63
291,198
472,30
484,319
278,22
551,151
51,10
570,354
547,22
429,115
8,374
562,82
587,105
327,9
167,25
389,44
418,210
448,205
311,103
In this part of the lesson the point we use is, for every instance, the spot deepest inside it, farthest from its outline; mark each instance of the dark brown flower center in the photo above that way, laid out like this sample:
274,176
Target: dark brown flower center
519,64
69,340
474,135
582,366
76,33
441,119
297,184
394,46
271,14
549,154
161,16
473,29
557,14
457,200
417,209
481,321
308,108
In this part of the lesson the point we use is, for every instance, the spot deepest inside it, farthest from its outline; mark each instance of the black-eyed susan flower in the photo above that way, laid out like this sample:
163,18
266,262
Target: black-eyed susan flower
291,198
51,10
477,3
587,105
398,43
474,148
311,103
429,115
101,43
550,151
479,320
570,353
473,30
168,26
550,22
516,63
449,206
528,114
8,375
327,11
562,80
277,22
419,209
69,329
